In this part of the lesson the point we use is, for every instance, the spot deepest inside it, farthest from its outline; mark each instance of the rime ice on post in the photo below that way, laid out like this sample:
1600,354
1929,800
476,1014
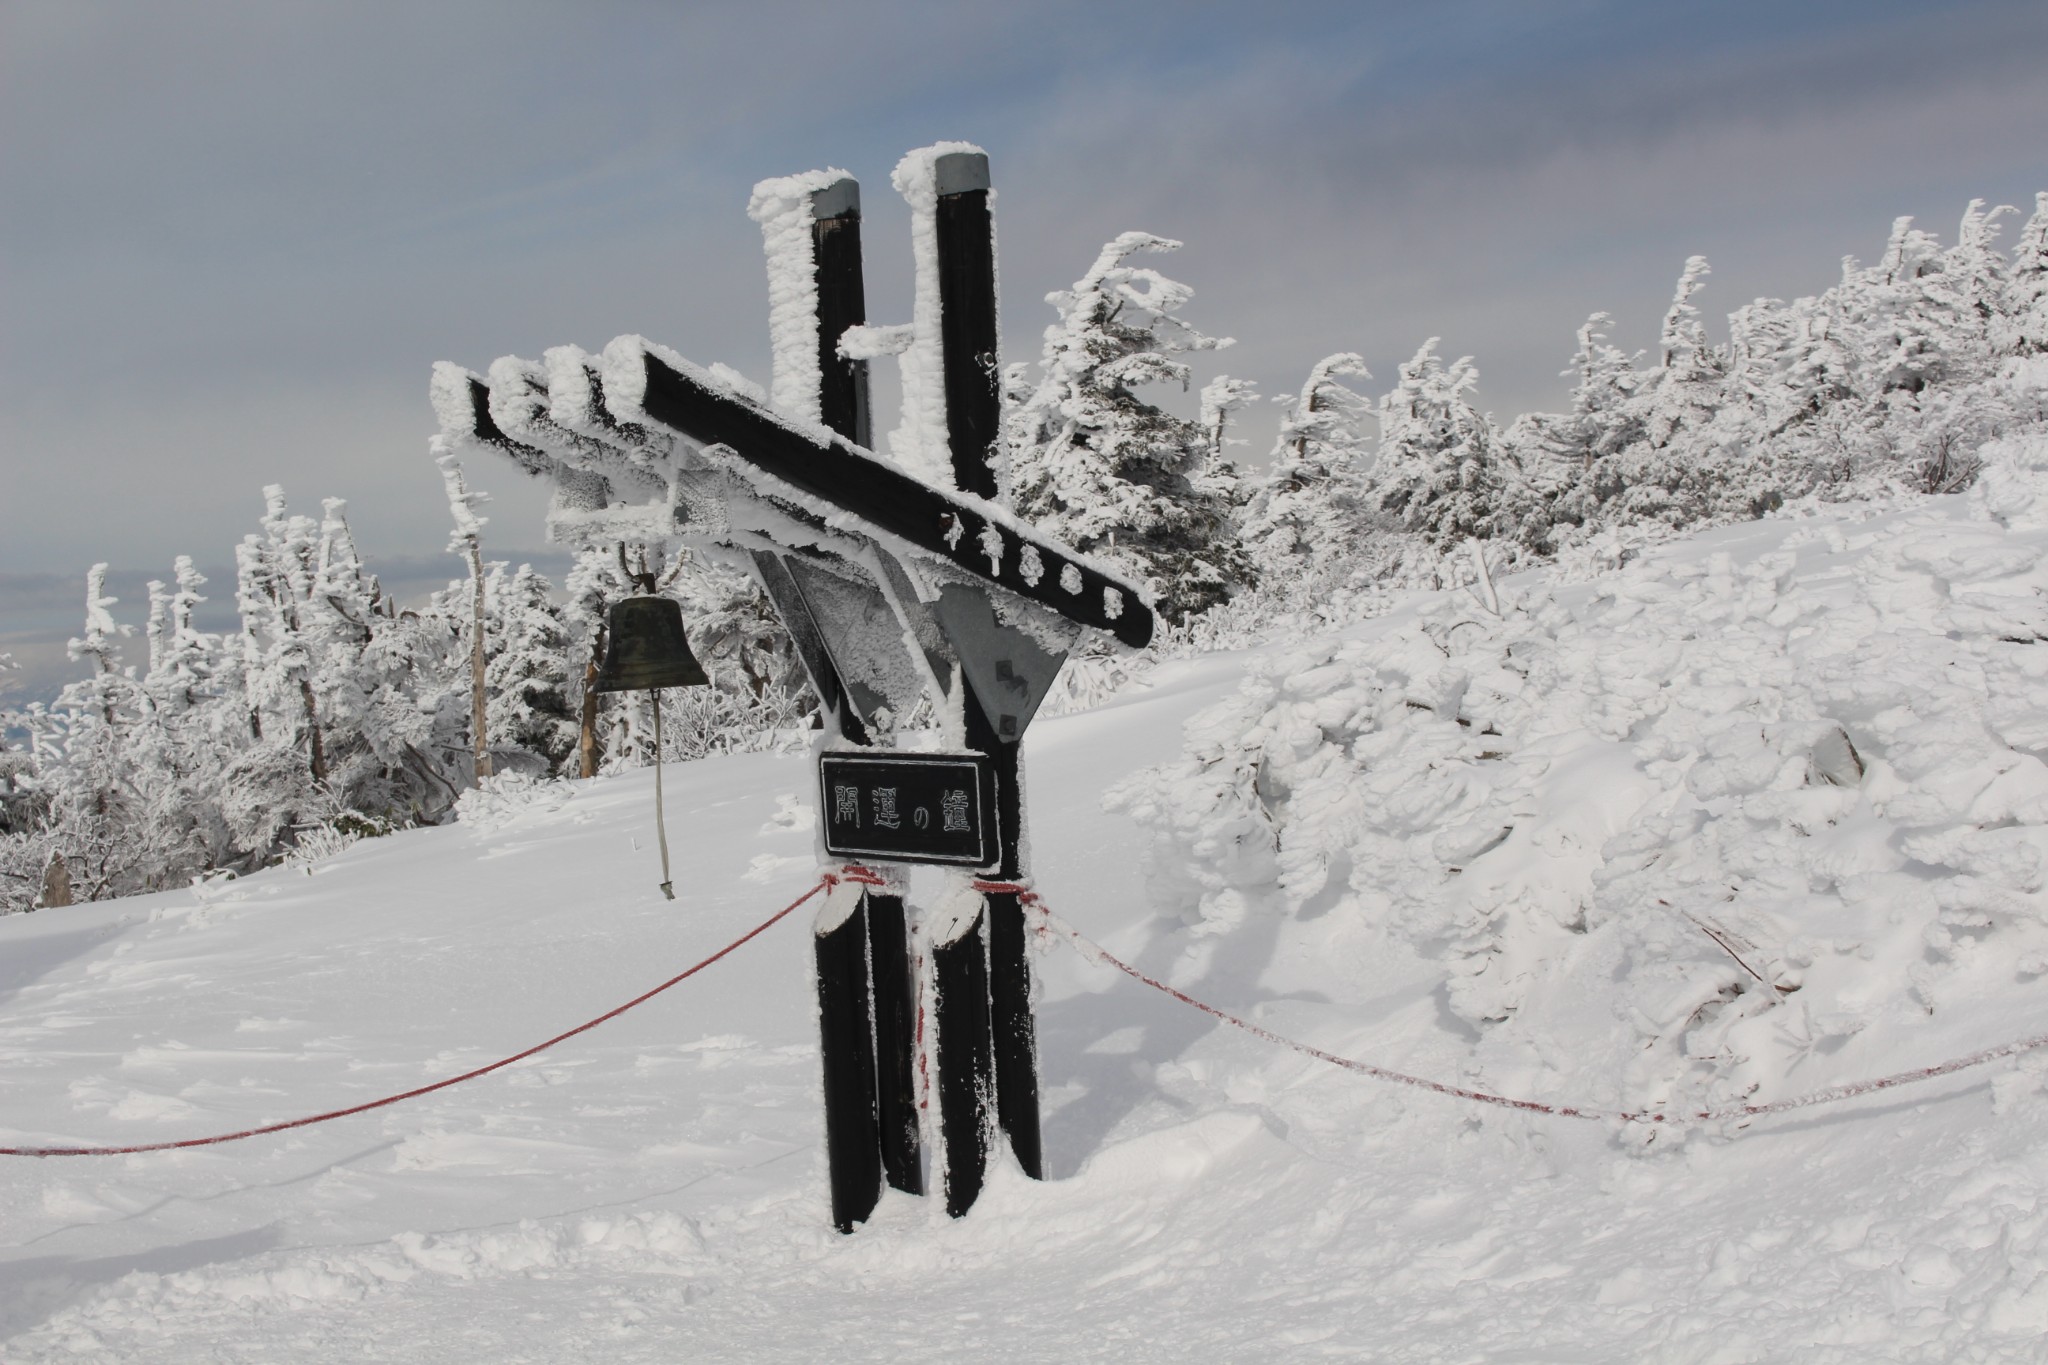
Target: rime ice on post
948,183
788,208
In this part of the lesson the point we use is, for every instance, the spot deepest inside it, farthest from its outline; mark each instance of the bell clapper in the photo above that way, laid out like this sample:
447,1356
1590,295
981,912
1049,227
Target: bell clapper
660,827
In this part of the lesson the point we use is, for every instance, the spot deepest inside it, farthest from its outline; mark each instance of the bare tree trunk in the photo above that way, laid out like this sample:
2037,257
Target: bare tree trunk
56,883
318,749
589,751
476,662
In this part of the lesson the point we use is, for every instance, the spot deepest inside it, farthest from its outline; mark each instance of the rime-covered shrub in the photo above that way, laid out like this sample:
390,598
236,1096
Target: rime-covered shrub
1667,833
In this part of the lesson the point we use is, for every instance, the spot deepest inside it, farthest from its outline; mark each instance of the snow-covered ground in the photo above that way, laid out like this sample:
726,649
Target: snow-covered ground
654,1190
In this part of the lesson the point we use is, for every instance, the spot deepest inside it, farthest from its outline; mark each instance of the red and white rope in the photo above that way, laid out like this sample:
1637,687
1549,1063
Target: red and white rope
309,1120
1051,925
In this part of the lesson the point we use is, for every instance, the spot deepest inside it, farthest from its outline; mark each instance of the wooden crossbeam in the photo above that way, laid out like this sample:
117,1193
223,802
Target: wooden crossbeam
972,534
672,394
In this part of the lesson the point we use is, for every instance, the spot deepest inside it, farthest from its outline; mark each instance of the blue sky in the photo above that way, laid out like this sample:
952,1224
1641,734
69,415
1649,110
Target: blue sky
236,235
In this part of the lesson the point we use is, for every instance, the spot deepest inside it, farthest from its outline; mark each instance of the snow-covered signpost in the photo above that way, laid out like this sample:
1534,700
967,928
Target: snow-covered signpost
897,579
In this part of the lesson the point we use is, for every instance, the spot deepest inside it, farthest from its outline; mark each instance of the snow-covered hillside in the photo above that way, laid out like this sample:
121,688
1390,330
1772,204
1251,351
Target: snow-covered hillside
1759,813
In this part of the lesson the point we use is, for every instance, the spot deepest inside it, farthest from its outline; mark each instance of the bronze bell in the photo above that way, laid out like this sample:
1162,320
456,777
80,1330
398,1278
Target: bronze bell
645,647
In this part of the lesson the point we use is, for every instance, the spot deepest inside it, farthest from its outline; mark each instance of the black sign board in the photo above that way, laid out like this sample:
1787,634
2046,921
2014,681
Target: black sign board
909,808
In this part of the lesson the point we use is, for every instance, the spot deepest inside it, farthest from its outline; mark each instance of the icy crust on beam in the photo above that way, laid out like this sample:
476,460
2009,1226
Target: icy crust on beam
594,528
450,391
624,371
920,442
550,421
576,403
454,392
782,207
866,342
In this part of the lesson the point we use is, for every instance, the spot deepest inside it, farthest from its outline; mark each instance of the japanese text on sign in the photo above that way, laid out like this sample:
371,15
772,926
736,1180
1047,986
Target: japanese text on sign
919,808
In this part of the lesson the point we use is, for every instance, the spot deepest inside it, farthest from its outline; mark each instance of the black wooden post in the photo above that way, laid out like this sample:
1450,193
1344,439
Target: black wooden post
987,1049
846,1046
865,1018
967,320
895,1006
843,406
842,303
1013,1038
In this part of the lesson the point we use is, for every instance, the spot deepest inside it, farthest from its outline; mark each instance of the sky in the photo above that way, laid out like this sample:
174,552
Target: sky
235,236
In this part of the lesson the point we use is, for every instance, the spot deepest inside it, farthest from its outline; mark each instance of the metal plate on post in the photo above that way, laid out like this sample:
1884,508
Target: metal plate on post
863,637
909,808
1008,671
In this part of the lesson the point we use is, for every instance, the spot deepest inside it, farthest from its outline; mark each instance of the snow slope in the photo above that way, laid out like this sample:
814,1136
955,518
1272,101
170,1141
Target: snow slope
654,1190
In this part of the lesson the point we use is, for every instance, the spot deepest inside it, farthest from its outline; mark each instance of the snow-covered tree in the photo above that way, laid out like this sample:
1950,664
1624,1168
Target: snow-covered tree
1099,467
1218,475
1913,321
1313,505
1976,276
183,659
275,576
1222,397
595,582
85,749
1668,475
2022,328
1686,390
1572,459
533,724
1441,467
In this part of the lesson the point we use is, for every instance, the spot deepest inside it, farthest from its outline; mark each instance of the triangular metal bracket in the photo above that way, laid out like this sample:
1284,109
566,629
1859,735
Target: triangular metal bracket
846,636
920,627
864,638
1008,670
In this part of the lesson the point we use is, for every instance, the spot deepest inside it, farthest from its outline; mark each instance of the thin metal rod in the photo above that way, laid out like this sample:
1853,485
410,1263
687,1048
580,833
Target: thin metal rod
660,826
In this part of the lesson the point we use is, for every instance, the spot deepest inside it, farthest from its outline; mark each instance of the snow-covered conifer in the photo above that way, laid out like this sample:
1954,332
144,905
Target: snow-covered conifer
1220,398
532,720
1686,391
1975,275
86,747
1912,332
1668,474
1441,468
1572,458
1218,475
272,783
2023,325
1313,505
1097,466
97,647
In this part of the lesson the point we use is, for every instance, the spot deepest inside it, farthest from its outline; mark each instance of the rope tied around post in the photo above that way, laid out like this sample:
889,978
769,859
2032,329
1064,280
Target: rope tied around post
854,873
